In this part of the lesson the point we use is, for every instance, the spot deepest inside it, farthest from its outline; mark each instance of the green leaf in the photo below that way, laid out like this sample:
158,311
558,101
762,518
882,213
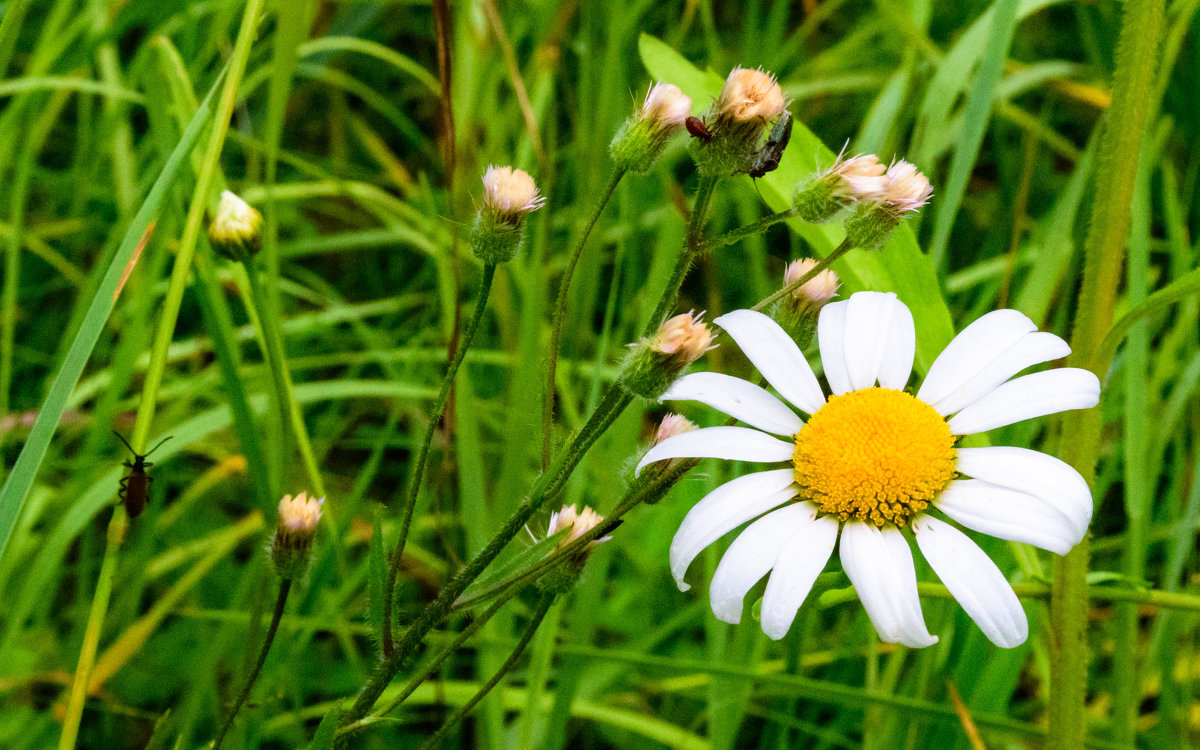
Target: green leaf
377,575
899,267
488,584
327,730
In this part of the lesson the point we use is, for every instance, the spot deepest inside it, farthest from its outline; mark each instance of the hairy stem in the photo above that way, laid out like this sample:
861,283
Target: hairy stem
692,246
822,264
560,314
414,489
285,586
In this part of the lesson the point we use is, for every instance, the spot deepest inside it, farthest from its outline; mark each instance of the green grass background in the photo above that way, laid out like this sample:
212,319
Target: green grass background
998,103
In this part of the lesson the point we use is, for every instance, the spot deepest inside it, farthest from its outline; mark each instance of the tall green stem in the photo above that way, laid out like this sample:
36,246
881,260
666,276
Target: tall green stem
414,489
692,246
1141,30
285,586
560,314
535,621
158,361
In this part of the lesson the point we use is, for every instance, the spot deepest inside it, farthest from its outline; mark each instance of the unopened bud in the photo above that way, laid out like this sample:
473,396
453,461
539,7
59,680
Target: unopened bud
509,195
641,139
656,362
291,548
236,227
847,181
562,578
749,102
905,190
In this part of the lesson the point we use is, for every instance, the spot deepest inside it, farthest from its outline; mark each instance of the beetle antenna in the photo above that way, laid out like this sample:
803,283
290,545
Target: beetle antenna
126,442
160,442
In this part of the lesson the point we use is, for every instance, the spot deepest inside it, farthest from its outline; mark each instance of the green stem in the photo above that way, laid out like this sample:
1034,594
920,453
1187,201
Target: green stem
414,489
560,314
822,264
692,246
539,614
749,230
548,484
158,361
291,418
431,669
285,586
1120,147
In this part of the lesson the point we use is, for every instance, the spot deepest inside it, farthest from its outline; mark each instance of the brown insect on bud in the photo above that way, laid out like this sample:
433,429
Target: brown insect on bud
697,129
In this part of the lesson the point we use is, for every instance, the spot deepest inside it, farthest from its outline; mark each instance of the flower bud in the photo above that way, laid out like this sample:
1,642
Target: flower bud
847,181
641,139
655,363
749,102
509,195
904,191
798,311
671,425
291,548
562,578
235,232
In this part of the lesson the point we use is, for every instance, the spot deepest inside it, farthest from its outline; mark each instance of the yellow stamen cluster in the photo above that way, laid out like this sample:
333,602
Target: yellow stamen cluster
877,455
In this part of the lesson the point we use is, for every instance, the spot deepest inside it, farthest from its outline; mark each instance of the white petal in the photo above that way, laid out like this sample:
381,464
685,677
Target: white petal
723,510
776,356
800,561
831,337
751,555
868,318
899,350
976,345
974,580
880,565
732,443
737,398
1009,514
1027,397
1055,482
1031,349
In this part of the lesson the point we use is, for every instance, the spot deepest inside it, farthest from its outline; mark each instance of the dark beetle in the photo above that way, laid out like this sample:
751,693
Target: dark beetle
767,159
697,129
136,486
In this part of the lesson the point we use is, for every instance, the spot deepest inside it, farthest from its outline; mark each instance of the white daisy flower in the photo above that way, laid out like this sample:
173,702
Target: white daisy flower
872,460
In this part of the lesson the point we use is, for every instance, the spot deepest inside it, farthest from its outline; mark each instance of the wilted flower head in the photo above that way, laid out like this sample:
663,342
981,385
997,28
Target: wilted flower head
905,189
641,139
292,544
655,362
672,425
577,522
235,229
750,95
509,195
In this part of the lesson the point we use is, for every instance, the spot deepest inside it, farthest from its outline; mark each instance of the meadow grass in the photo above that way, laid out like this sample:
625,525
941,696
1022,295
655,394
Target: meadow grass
316,366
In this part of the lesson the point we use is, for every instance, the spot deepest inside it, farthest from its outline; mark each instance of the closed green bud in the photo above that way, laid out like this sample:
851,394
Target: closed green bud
235,232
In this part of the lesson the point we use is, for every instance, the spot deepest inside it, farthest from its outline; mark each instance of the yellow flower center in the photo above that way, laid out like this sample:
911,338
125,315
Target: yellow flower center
878,455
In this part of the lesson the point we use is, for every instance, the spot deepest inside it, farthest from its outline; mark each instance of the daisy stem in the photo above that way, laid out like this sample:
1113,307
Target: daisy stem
692,247
749,230
822,264
435,418
560,313
549,483
431,669
285,586
543,606
1141,30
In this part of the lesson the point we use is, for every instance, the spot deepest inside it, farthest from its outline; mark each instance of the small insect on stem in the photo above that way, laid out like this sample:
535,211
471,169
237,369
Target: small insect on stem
767,159
698,130
136,486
